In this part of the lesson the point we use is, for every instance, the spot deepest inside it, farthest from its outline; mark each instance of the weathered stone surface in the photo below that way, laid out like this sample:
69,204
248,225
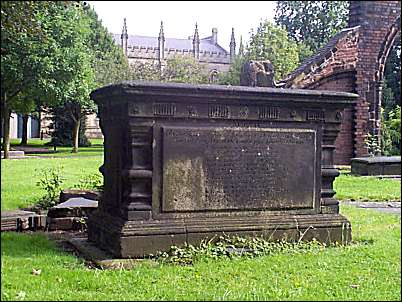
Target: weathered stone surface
74,207
376,165
73,193
185,162
232,168
104,260
258,74
17,220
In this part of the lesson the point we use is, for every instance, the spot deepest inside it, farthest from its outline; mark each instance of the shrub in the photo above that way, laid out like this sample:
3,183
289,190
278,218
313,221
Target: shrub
391,132
51,182
90,182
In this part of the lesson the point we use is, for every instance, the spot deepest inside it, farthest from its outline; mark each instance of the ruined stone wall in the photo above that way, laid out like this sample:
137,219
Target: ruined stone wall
377,21
354,61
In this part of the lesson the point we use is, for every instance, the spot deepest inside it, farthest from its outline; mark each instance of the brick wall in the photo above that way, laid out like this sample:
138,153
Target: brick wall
344,142
353,61
376,19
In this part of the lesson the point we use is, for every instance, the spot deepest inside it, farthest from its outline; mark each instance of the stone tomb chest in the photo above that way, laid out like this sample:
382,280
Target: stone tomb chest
185,162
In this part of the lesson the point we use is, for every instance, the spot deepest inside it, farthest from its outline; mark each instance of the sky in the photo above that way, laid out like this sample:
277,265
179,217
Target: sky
179,17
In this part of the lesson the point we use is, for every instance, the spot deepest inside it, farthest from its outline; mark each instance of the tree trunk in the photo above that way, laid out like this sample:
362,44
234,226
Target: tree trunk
76,135
6,134
24,138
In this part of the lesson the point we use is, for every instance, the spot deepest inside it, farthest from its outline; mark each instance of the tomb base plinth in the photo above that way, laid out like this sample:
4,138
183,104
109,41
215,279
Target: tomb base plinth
183,163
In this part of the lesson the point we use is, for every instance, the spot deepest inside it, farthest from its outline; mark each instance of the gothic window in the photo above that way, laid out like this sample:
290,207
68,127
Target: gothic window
213,76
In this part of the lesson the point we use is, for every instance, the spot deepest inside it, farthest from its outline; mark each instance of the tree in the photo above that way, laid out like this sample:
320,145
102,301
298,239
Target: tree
30,58
105,64
391,132
270,42
183,69
232,76
109,62
312,22
145,71
179,69
392,78
71,33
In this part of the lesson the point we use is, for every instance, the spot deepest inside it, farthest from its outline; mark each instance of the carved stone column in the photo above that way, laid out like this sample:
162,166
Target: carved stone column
331,128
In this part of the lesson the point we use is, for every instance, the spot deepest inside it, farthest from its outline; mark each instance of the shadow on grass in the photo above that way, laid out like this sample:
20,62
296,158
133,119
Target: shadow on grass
362,241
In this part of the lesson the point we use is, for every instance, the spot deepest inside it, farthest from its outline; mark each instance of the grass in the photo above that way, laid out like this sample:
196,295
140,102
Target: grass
95,149
368,269
19,177
368,188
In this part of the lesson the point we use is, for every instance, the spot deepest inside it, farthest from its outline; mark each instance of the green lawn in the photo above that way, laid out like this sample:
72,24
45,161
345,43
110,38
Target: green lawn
19,177
95,149
366,188
368,269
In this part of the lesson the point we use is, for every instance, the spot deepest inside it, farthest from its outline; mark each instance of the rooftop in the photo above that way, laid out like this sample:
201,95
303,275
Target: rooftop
146,41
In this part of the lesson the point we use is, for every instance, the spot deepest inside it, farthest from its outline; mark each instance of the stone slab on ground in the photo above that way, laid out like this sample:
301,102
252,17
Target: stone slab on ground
71,214
74,207
104,260
73,193
393,207
17,220
34,150
14,154
376,165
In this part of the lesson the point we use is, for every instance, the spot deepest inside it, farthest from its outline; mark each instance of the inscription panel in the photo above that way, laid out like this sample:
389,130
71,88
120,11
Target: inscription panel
238,169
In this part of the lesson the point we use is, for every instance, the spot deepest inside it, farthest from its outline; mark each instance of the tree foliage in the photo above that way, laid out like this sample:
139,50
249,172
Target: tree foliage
271,42
391,132
109,63
105,63
391,102
36,59
183,69
392,77
179,69
145,71
312,22
232,76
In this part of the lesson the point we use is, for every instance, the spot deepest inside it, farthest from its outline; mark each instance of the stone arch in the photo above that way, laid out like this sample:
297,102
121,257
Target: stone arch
354,61
386,47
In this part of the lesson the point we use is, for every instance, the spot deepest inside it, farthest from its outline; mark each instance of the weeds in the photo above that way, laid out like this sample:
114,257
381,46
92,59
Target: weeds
234,247
51,182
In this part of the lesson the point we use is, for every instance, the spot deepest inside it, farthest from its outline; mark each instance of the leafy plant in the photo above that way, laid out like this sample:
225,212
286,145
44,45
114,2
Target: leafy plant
391,132
51,182
233,247
90,182
372,144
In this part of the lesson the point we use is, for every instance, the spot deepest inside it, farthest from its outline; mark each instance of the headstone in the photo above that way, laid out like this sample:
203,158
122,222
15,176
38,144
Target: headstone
187,162
376,166
71,214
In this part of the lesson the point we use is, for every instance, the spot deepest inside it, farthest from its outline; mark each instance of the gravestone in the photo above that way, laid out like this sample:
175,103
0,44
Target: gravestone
376,166
186,162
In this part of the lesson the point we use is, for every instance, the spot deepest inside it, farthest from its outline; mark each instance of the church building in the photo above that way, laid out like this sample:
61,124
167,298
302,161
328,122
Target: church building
207,51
